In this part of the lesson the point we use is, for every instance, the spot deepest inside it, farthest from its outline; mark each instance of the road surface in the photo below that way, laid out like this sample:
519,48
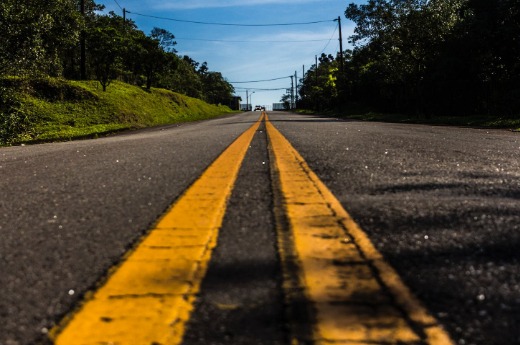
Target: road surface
440,205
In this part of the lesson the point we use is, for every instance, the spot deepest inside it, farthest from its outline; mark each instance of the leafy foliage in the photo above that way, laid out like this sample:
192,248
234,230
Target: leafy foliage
14,123
106,46
32,35
41,39
42,109
320,85
425,57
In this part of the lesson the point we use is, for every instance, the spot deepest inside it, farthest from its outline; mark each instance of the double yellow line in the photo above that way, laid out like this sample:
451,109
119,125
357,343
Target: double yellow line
355,296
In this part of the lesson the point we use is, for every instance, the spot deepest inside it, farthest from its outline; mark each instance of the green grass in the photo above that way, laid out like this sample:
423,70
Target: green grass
469,121
512,123
63,110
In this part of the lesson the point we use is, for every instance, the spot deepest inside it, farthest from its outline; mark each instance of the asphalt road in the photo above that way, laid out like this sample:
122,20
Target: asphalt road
442,204
69,211
241,299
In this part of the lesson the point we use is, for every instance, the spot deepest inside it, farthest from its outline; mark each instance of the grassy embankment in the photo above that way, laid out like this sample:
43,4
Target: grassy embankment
484,121
37,110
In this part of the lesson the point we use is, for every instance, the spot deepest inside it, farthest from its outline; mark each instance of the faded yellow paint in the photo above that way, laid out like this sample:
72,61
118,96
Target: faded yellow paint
149,297
357,297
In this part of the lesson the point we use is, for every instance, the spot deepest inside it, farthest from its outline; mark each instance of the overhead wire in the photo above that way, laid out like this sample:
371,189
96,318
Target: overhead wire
238,41
330,39
260,89
258,81
249,41
117,3
227,24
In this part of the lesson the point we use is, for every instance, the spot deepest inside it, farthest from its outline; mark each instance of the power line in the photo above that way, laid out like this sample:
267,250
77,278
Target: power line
257,81
227,24
257,89
331,37
117,3
249,41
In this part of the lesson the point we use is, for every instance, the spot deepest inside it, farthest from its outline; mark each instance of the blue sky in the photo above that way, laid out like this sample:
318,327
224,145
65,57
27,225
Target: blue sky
247,53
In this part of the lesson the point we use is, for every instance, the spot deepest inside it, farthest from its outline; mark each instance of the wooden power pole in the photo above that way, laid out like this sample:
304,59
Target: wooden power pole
83,54
340,47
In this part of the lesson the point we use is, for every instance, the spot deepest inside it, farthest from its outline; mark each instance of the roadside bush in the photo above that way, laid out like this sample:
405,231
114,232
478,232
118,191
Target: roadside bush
14,123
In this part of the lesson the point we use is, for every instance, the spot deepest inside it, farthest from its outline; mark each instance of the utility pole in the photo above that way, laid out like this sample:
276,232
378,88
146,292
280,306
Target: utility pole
303,78
296,88
316,57
82,62
340,47
247,100
292,92
124,15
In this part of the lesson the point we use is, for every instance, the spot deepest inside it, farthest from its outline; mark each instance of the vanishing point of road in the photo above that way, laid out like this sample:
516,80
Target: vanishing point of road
271,228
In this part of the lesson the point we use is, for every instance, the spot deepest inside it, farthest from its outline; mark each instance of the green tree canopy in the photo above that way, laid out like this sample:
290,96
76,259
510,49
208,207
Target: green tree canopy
34,35
426,57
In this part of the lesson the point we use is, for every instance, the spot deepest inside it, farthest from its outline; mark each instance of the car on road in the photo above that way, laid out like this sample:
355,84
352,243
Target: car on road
259,108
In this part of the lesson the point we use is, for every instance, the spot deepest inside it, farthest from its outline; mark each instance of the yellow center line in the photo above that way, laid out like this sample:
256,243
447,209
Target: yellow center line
356,296
149,296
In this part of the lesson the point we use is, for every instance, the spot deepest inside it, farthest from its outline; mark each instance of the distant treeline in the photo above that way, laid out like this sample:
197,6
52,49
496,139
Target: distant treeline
40,38
426,57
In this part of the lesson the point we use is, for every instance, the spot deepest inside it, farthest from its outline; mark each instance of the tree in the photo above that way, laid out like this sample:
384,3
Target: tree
156,54
71,56
319,85
165,39
286,100
106,43
41,38
396,42
216,89
183,79
32,38
484,56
